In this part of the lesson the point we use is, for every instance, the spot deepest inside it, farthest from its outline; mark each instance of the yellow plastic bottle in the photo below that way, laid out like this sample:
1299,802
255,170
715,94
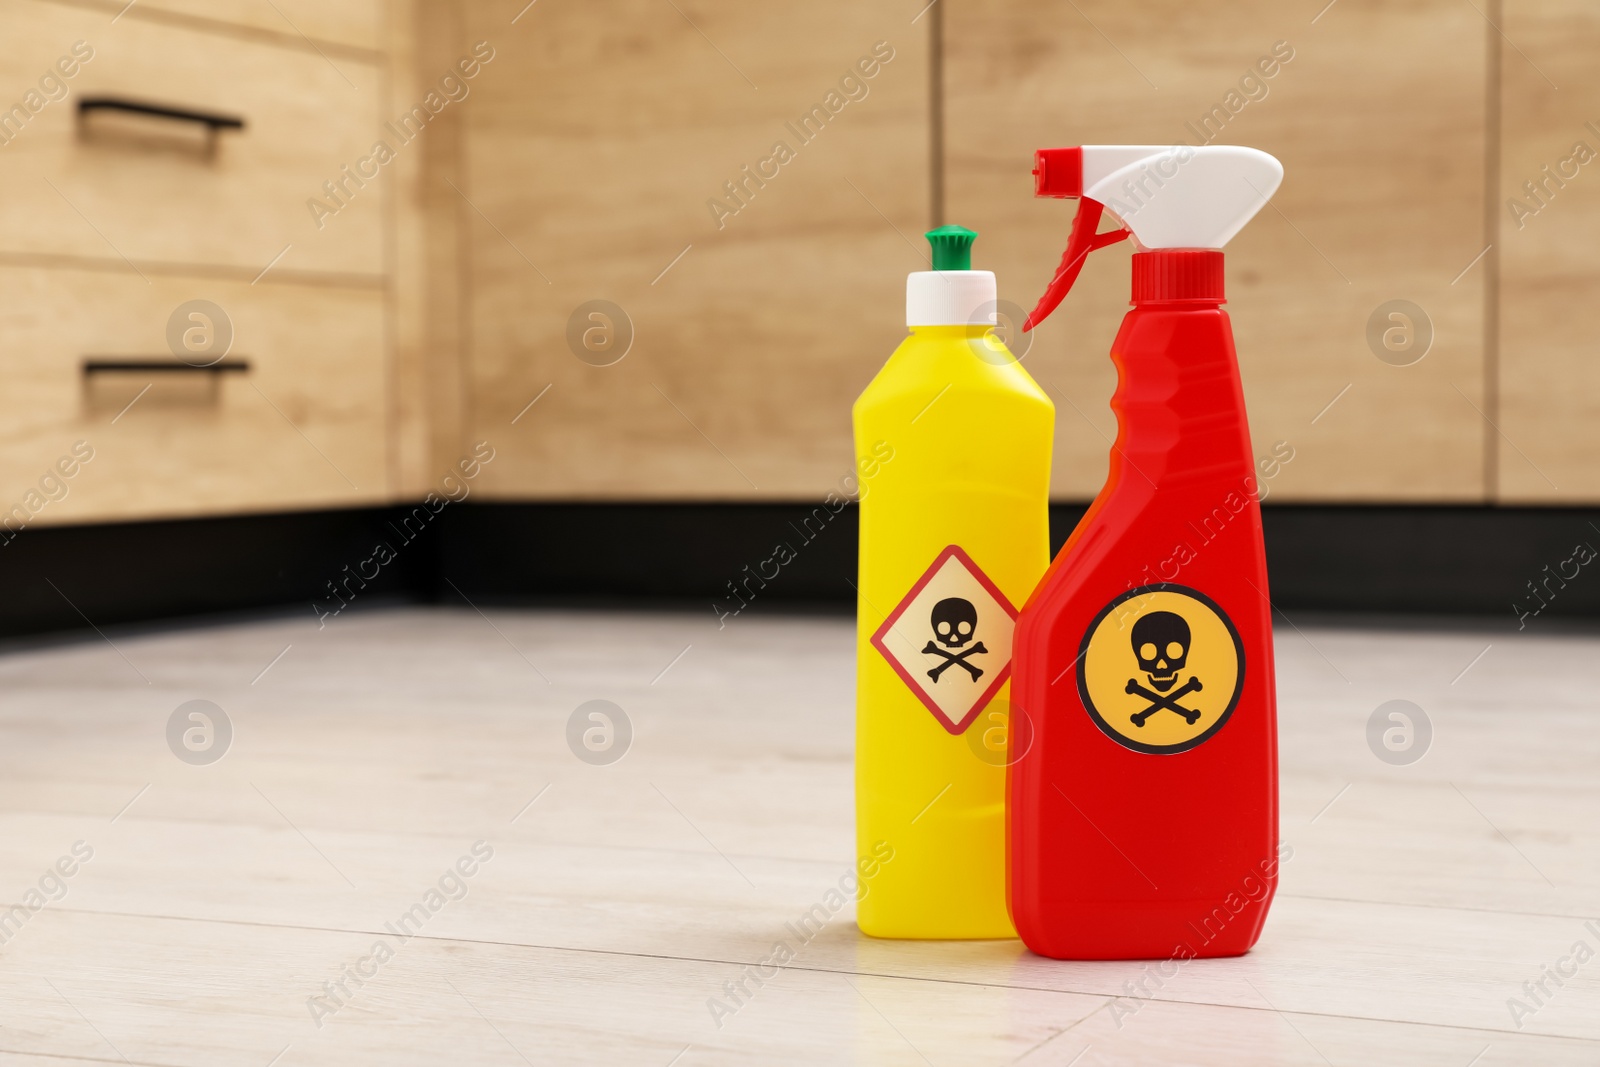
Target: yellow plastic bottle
954,536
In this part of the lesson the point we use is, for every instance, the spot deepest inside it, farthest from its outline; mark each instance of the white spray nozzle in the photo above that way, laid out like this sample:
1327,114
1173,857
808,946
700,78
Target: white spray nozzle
1164,197
1180,196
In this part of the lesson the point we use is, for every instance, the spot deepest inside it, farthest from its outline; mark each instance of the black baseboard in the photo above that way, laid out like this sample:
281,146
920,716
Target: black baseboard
1483,561
71,577
1499,562
1333,558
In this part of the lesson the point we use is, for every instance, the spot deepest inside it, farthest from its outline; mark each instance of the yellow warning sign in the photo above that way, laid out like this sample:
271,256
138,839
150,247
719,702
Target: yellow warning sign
1161,669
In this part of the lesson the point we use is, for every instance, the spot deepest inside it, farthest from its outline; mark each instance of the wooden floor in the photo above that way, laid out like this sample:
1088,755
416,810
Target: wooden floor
222,900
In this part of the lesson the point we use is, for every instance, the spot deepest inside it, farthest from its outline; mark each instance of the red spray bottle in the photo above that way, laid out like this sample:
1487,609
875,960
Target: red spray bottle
1143,793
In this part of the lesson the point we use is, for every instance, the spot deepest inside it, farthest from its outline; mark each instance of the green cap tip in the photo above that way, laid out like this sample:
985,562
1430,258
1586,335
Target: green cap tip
952,247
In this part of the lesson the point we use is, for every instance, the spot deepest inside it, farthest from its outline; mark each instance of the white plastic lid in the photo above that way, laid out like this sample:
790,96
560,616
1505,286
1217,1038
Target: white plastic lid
951,298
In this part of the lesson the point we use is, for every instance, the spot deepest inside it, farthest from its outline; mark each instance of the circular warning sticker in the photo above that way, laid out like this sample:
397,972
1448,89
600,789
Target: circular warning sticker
1161,669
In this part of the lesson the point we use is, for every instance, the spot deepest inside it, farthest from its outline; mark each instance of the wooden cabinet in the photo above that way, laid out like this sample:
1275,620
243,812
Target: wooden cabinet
1378,114
110,220
588,159
591,153
162,191
302,427
344,26
745,187
1548,216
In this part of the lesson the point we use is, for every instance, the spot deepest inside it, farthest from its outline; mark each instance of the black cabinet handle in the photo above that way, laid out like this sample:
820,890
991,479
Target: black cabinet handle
156,365
211,120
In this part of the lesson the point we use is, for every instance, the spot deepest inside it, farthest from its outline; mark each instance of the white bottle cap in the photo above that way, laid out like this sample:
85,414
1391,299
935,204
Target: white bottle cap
950,298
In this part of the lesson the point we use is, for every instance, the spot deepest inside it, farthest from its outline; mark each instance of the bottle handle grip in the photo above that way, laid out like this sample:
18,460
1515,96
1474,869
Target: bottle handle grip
1080,243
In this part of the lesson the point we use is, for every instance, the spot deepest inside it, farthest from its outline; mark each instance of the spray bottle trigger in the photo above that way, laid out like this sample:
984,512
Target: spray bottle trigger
1082,241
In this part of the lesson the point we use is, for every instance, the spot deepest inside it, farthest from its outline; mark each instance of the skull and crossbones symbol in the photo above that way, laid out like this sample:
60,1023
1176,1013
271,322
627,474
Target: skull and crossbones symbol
954,622
1161,643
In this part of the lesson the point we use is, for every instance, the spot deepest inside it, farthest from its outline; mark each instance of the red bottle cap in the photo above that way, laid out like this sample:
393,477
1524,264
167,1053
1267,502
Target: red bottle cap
1174,275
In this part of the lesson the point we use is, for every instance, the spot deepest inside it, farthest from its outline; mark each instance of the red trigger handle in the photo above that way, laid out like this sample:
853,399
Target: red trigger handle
1082,241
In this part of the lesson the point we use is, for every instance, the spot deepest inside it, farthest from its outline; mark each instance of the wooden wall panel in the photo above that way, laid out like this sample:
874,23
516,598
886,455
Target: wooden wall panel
424,256
1549,448
1379,120
592,147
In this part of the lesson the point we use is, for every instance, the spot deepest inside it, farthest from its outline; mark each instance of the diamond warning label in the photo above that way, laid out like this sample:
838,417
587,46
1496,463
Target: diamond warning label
949,640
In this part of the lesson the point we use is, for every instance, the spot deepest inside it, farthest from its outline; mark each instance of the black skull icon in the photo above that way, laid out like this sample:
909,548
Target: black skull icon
1161,643
955,623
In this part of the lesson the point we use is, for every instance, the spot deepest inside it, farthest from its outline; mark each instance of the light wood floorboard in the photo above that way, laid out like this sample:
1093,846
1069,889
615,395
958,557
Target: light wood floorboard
373,753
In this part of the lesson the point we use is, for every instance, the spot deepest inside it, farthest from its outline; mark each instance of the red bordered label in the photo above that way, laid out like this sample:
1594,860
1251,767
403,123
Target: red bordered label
949,639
